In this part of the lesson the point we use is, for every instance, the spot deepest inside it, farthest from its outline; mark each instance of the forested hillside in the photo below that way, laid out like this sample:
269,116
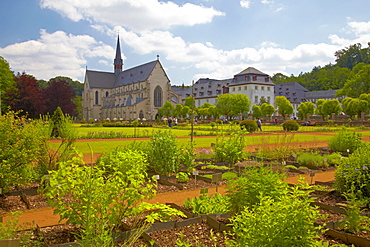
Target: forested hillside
352,68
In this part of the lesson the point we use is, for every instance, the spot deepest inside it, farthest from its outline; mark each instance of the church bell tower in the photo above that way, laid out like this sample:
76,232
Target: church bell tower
118,62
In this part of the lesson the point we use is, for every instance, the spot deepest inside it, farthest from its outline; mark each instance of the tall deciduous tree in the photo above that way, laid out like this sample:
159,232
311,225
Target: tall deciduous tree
358,83
284,106
331,107
27,96
305,108
256,109
60,93
267,109
7,82
354,107
167,109
230,105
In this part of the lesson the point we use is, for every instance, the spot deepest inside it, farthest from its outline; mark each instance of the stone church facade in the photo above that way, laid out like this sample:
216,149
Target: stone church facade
127,94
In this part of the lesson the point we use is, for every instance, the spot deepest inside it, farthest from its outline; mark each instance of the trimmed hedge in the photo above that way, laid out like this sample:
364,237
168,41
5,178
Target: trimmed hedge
127,125
249,125
290,125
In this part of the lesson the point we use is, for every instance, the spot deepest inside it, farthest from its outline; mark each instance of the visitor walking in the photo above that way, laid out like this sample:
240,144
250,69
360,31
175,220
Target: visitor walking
169,121
275,121
259,124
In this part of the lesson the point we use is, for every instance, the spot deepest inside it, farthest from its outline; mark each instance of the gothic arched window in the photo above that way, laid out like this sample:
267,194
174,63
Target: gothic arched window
158,96
96,98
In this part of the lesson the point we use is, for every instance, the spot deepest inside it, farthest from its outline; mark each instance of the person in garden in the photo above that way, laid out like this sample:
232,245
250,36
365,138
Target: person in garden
169,122
276,121
259,124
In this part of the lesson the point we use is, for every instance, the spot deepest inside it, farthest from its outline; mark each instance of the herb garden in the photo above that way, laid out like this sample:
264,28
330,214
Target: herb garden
230,186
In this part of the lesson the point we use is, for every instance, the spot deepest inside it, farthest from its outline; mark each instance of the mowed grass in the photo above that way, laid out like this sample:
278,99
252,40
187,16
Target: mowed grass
106,145
271,135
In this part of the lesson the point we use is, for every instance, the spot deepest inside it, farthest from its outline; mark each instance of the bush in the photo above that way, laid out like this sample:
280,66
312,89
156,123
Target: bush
286,222
23,152
312,161
246,190
229,149
163,153
248,125
204,204
182,177
290,125
345,140
353,174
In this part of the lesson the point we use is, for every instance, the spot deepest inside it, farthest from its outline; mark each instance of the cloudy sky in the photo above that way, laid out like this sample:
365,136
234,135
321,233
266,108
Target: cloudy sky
194,39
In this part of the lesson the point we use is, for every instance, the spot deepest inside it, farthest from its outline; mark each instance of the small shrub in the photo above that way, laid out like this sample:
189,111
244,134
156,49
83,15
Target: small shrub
286,222
246,190
290,125
182,177
163,153
229,175
333,159
311,161
204,204
345,140
353,173
331,122
229,149
249,125
218,121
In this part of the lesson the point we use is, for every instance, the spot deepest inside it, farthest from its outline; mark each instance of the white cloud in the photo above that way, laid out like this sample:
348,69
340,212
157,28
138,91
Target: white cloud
245,3
138,15
266,2
55,54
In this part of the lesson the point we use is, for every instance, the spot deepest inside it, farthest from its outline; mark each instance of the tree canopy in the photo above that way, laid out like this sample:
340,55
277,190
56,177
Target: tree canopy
284,106
230,105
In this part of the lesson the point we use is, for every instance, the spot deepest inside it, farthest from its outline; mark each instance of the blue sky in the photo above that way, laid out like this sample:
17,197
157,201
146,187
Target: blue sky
194,39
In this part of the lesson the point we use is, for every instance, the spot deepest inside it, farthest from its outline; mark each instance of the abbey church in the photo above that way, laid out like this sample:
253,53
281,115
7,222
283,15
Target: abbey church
126,94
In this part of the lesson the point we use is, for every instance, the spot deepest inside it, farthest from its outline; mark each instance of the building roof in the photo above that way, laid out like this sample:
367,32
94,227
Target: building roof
251,70
136,74
98,79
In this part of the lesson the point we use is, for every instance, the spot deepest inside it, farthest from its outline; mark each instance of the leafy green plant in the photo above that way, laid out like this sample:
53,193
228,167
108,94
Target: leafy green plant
311,161
333,159
288,221
101,195
353,173
23,150
204,204
218,167
163,153
229,175
187,156
182,177
249,125
247,189
290,125
354,222
9,230
229,148
345,140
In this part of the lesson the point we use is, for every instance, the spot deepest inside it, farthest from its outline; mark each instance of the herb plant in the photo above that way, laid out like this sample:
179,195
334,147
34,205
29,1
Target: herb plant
229,148
345,140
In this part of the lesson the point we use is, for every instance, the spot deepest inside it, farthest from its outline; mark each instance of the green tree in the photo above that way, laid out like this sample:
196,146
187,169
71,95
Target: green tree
350,56
331,107
354,107
256,109
305,108
231,105
189,101
177,112
166,110
206,110
358,82
267,109
7,82
284,106
319,108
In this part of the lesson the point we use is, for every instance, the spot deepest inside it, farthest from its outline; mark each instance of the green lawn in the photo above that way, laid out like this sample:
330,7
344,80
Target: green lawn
268,137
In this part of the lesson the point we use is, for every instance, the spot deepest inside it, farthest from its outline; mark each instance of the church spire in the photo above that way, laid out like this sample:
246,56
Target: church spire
118,62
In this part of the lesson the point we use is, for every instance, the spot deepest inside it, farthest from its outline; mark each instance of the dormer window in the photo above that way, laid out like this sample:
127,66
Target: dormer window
247,78
267,79
254,78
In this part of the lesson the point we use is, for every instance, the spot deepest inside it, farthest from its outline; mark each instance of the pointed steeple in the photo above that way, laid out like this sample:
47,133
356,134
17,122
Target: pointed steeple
118,62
